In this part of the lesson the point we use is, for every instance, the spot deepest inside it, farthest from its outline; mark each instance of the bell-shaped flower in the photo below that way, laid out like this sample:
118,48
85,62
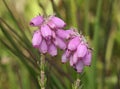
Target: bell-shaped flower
37,21
79,66
87,58
62,34
71,60
46,31
72,45
59,23
75,58
43,48
60,43
52,50
68,53
36,39
81,50
71,32
64,58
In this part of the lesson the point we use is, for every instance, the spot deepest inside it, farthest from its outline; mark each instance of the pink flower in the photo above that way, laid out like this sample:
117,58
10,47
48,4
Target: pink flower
79,66
52,50
37,21
87,58
46,31
77,52
71,61
60,43
75,58
73,43
64,58
51,36
37,38
56,22
81,50
62,34
43,48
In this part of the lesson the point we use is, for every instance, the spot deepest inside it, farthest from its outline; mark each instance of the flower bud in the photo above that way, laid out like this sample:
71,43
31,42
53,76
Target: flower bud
64,58
81,50
52,50
87,59
62,34
72,45
46,31
43,46
37,21
79,66
60,43
59,23
37,38
75,58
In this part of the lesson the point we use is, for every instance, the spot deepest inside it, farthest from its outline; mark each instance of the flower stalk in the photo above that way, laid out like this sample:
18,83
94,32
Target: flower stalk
76,84
42,78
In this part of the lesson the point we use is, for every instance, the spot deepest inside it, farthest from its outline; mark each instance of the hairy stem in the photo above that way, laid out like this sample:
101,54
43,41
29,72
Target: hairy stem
42,77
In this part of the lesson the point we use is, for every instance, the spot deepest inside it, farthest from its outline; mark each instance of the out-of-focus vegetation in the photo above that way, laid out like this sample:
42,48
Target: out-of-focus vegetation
98,20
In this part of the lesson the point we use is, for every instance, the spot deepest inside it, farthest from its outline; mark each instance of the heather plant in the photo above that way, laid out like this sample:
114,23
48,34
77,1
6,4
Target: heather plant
50,35
75,48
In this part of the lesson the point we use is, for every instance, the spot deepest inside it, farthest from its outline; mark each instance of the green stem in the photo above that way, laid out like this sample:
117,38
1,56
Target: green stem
76,84
95,42
86,25
92,76
42,77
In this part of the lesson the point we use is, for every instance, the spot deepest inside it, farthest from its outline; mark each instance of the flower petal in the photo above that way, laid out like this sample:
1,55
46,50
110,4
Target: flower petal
37,21
71,61
43,47
52,50
58,22
81,50
60,43
87,59
75,58
79,66
64,58
68,53
62,34
72,45
46,31
37,38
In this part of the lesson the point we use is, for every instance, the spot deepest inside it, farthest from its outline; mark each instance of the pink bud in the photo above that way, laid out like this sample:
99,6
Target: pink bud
59,23
87,59
60,43
71,32
52,50
68,53
37,38
62,34
75,58
72,45
43,46
71,61
46,31
64,58
51,25
81,50
79,66
37,21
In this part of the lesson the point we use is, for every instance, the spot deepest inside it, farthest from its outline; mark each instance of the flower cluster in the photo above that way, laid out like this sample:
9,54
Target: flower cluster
77,52
51,34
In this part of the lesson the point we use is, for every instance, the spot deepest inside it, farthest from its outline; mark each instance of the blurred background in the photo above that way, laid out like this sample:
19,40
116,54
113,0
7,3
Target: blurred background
97,20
